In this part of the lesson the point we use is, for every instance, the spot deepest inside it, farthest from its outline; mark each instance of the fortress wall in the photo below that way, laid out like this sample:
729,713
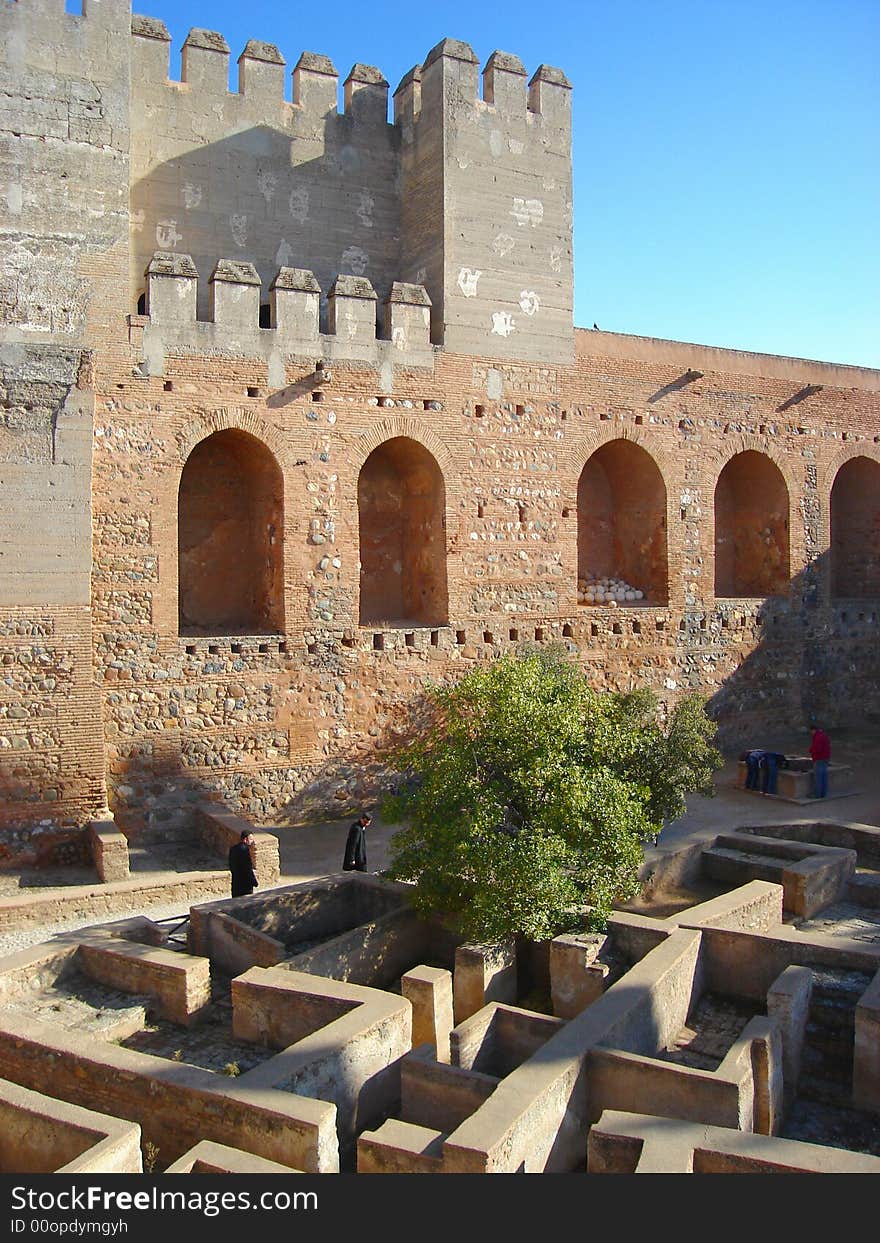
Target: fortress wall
292,729
468,193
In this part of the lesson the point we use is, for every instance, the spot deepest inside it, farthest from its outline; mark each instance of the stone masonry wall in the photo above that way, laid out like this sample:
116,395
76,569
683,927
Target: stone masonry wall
286,724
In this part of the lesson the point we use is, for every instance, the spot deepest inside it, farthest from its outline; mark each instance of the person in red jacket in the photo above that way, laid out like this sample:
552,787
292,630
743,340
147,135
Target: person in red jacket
820,754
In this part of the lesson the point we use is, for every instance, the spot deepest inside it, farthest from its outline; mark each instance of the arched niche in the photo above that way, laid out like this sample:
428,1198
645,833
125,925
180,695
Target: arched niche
855,529
230,523
401,523
751,527
621,512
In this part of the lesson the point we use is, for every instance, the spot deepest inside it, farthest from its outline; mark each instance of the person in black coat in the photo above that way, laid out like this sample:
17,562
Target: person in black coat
355,858
241,865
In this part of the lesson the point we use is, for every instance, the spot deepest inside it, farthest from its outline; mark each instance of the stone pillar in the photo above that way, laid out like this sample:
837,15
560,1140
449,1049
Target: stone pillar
429,991
235,295
172,286
408,317
788,1002
483,973
295,300
866,1059
351,309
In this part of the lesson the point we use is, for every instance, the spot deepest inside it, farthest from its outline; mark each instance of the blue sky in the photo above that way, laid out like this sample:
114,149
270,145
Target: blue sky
726,152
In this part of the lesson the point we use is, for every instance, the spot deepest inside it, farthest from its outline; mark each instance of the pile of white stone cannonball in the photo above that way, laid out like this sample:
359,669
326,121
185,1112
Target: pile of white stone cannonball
607,591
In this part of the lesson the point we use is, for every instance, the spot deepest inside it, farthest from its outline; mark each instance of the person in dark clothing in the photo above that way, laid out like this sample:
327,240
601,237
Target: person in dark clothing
770,764
762,769
820,754
355,858
753,767
241,865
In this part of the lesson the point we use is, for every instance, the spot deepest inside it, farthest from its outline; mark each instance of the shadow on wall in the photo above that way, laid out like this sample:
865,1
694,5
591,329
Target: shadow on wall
810,657
243,197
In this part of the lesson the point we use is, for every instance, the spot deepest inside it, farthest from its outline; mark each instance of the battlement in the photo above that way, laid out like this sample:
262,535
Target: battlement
315,80
466,192
293,329
505,91
261,75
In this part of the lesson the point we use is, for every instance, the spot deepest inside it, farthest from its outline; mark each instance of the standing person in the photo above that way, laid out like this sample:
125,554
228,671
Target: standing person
355,858
241,865
820,754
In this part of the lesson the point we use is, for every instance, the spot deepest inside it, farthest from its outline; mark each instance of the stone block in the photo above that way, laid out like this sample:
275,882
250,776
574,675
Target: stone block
483,973
429,991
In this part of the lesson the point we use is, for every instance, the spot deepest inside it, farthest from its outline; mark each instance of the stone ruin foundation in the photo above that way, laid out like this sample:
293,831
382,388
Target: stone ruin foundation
324,1027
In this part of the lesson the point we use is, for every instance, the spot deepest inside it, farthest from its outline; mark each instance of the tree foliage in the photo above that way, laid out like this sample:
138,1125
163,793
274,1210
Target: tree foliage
529,795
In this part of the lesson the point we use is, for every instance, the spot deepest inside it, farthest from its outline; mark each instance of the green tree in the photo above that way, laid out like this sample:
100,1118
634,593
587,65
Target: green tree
528,795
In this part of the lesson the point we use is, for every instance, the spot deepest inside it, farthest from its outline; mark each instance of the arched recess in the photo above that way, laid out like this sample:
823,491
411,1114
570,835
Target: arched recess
752,556
621,516
401,524
855,529
230,523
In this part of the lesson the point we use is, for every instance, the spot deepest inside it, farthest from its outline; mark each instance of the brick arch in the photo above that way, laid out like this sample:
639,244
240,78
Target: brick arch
829,472
623,515
745,442
402,544
230,535
850,528
390,429
585,448
231,418
746,561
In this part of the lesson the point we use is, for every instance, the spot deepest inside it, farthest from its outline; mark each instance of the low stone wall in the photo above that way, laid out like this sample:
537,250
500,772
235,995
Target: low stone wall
375,954
176,1105
498,1038
864,839
438,1096
625,1143
40,1135
90,903
866,1057
745,1092
208,1157
788,1004
537,1118
179,985
341,1042
811,876
231,945
360,928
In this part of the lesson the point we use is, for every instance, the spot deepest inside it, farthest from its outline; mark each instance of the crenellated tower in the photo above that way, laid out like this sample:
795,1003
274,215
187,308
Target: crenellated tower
486,215
469,197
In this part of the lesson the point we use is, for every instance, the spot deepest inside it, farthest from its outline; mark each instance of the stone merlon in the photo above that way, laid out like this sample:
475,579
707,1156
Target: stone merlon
164,263
313,62
207,40
296,278
149,28
352,287
412,295
268,52
454,49
235,272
